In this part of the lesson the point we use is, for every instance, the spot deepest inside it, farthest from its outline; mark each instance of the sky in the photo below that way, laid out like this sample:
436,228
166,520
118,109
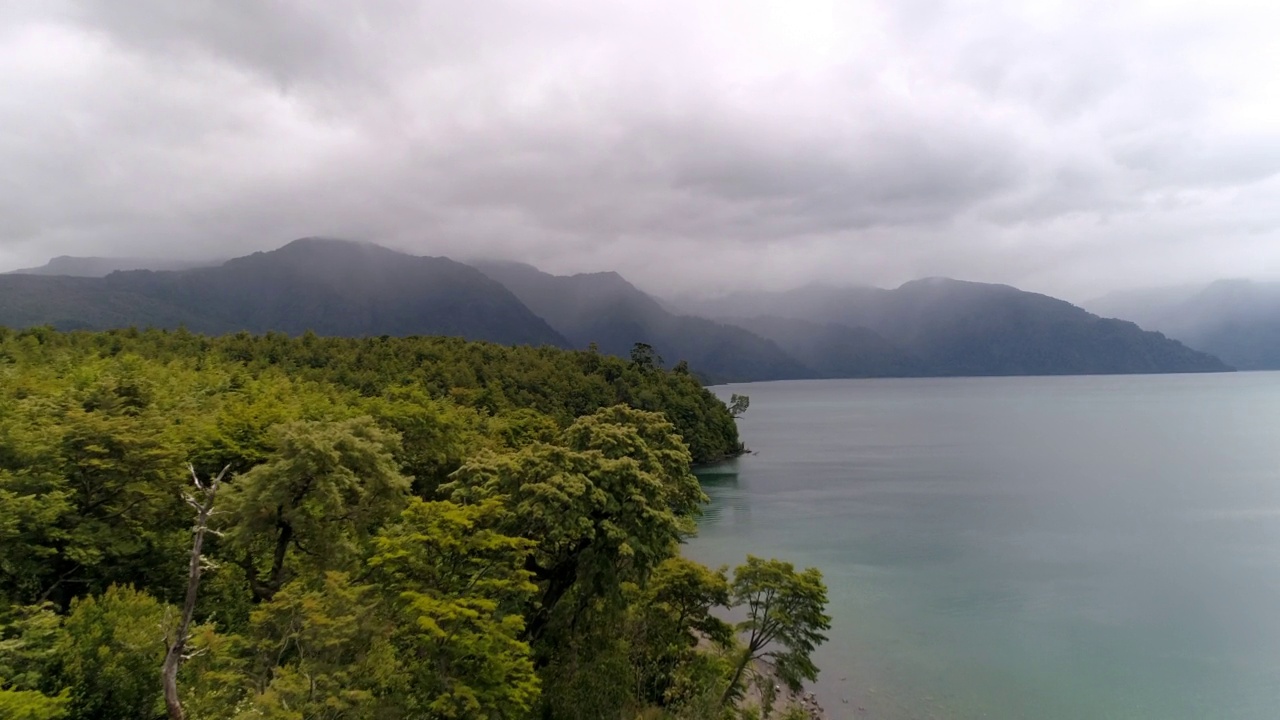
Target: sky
692,145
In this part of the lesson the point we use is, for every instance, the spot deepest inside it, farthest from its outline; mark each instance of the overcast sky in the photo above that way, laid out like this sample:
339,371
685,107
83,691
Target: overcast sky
1069,148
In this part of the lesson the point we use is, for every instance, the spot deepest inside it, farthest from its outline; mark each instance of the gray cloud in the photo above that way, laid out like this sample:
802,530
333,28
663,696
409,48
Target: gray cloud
1064,147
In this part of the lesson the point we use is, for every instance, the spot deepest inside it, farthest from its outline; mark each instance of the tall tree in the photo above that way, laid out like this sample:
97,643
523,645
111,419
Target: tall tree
786,616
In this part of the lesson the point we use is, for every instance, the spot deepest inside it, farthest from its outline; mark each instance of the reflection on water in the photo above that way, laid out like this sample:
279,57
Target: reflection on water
731,505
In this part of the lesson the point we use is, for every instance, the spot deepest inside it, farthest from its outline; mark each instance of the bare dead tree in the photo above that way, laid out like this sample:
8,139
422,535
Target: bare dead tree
202,500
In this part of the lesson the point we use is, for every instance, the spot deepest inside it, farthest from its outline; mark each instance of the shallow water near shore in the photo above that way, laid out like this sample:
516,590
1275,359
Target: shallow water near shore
1011,548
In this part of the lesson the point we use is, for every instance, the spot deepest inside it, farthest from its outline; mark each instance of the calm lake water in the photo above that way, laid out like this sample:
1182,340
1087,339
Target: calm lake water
1023,548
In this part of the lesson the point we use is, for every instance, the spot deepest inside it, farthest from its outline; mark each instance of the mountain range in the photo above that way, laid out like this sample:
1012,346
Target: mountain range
331,287
932,327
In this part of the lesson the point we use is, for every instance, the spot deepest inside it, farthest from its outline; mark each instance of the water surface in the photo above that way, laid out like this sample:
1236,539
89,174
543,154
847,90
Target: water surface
1079,547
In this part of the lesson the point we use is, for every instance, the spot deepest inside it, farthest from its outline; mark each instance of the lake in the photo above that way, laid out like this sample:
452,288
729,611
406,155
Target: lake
1022,548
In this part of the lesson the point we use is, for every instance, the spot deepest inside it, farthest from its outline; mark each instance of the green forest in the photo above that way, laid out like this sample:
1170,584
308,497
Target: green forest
299,528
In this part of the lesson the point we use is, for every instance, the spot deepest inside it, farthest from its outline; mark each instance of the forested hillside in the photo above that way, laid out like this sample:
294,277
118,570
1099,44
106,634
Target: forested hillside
404,528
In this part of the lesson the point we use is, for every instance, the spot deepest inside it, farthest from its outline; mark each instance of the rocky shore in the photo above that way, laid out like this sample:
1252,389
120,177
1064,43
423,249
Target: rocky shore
783,700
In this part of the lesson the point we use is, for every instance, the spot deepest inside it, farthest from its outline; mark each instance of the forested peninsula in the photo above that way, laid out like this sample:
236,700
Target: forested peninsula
297,528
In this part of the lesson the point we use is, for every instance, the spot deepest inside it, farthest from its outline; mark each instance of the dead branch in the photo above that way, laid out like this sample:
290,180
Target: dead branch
203,505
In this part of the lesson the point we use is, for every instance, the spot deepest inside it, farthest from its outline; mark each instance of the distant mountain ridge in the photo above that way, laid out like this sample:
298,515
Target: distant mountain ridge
1237,320
952,327
929,327
73,266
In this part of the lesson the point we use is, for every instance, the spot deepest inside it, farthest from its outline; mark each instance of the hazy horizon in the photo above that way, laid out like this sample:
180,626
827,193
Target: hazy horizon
693,294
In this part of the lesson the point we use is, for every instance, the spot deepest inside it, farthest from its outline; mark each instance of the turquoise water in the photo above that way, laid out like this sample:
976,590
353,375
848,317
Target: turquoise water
1023,548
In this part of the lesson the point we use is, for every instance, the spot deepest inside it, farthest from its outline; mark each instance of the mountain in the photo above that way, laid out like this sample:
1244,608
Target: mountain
331,287
72,266
964,328
605,309
1237,320
951,327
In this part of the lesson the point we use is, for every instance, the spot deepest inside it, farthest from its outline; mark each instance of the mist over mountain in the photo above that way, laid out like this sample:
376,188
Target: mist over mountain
831,350
1236,320
818,302
605,309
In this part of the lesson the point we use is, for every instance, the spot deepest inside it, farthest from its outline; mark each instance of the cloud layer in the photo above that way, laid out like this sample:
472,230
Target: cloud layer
1067,147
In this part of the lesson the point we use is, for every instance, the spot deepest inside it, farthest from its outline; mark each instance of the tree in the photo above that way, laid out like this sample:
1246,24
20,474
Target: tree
786,615
643,356
738,404
547,583
324,490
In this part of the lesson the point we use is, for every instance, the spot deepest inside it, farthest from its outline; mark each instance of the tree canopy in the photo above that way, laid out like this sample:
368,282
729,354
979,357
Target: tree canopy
409,528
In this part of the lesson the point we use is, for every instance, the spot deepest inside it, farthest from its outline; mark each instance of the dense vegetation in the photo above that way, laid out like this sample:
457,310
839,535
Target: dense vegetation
406,528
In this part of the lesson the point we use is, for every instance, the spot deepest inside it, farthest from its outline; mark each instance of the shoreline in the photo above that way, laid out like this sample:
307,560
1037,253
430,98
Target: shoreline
783,700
